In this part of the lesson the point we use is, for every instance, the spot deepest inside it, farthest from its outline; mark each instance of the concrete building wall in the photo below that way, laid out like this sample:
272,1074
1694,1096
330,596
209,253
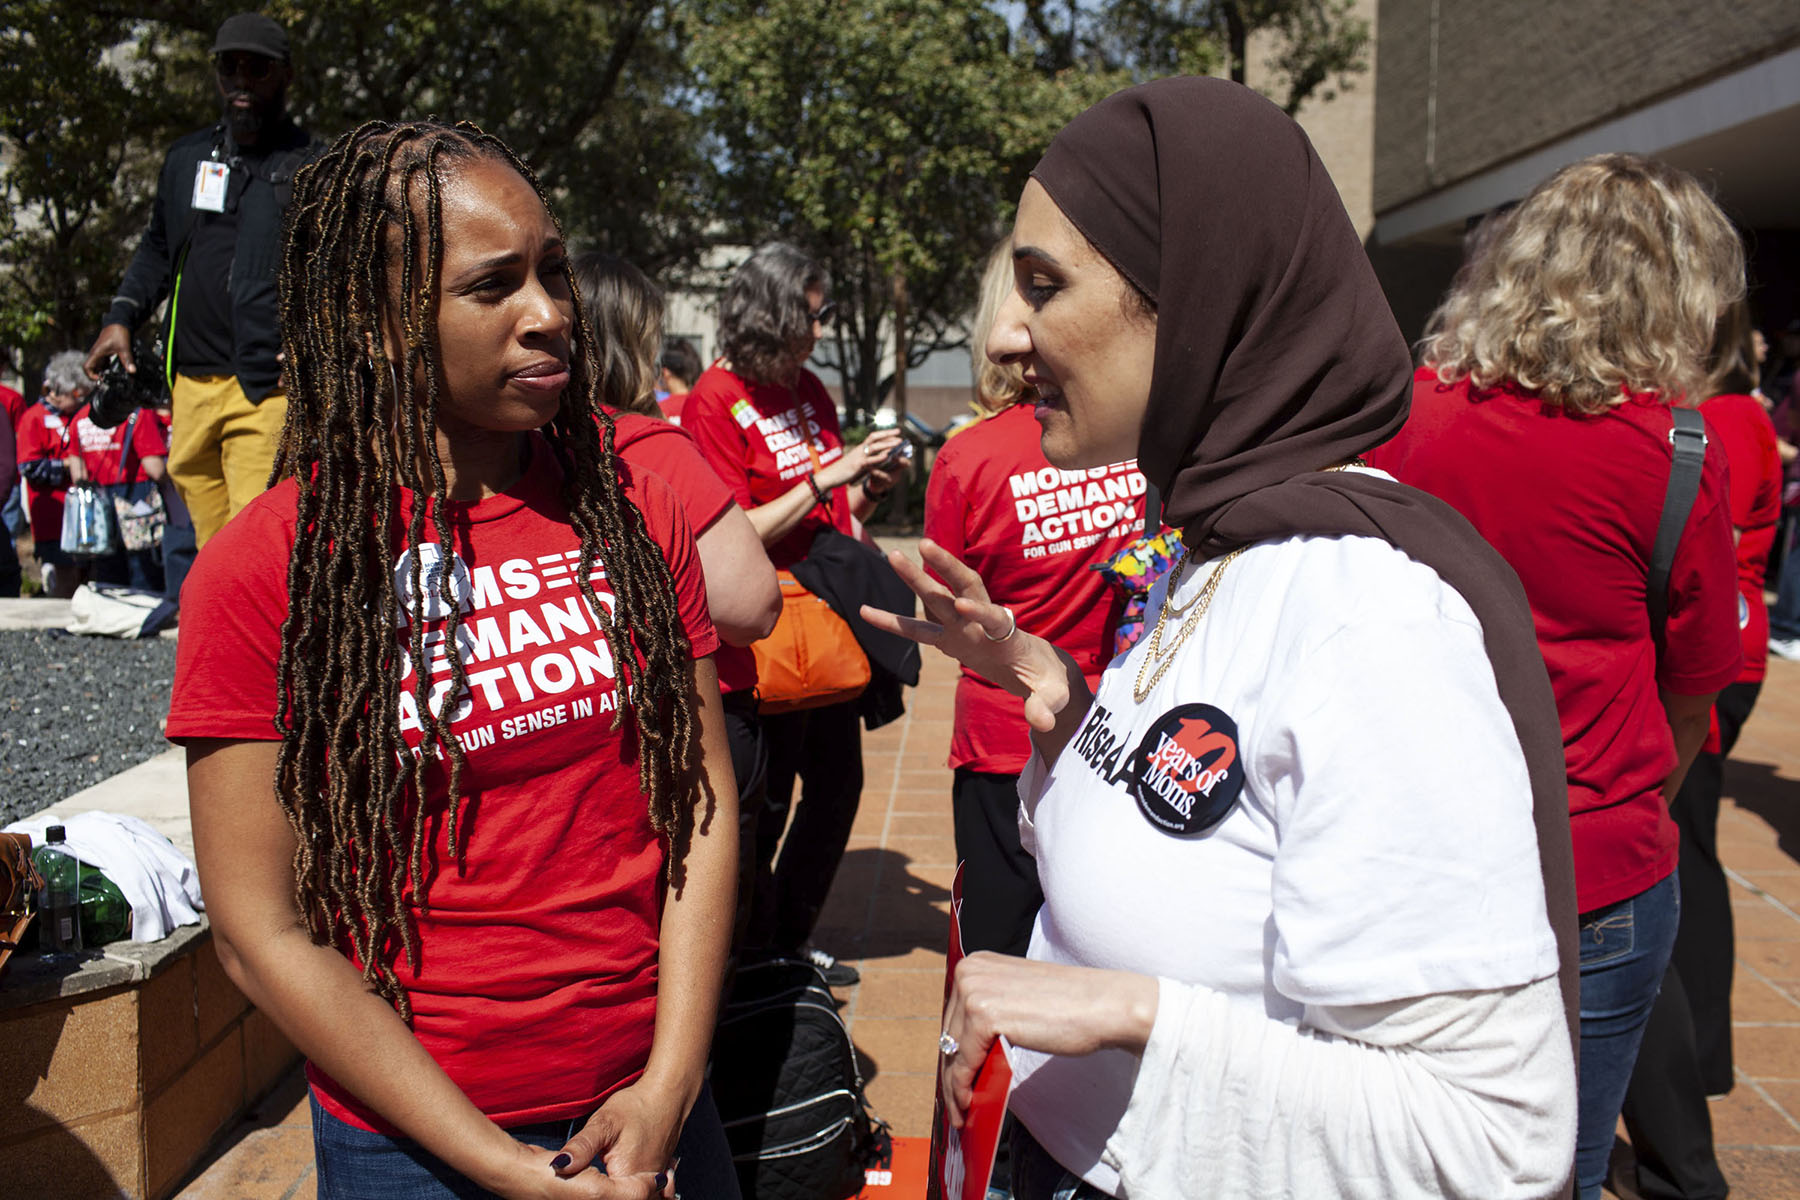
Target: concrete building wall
1466,84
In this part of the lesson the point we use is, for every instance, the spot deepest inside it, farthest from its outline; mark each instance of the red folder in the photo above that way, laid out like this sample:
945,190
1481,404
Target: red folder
962,1160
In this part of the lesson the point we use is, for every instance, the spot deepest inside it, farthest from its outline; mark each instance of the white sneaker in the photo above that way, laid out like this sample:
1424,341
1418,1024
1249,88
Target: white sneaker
837,974
1788,648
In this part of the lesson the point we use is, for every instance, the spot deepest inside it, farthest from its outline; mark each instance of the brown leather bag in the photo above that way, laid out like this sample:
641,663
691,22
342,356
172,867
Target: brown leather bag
19,884
812,659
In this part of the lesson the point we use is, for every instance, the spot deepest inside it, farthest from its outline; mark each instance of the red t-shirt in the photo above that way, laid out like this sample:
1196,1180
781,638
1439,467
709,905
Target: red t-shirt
15,406
1744,429
668,451
1032,533
762,439
1572,503
673,405
103,451
537,978
46,433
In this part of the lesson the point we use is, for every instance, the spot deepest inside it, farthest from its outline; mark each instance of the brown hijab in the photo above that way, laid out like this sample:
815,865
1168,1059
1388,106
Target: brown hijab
1276,357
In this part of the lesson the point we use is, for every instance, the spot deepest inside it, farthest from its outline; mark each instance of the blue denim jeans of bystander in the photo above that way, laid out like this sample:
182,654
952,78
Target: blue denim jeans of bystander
1784,614
356,1164
1624,951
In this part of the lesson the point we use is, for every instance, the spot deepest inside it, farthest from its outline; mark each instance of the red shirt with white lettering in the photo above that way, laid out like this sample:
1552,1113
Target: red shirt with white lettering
537,977
668,451
1744,429
1033,533
1572,503
762,439
104,454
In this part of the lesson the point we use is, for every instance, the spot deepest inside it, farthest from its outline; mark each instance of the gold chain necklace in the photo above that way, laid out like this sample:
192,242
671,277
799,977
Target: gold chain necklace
1153,649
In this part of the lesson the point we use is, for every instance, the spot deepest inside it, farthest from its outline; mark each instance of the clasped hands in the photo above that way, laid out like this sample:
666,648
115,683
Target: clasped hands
634,1133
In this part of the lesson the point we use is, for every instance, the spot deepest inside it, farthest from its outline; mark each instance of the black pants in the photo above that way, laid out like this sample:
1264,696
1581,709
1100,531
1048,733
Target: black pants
1000,882
1686,1053
750,765
10,574
822,747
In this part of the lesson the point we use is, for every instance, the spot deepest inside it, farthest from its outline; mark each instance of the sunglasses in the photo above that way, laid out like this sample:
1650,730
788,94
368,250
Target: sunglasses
251,66
822,315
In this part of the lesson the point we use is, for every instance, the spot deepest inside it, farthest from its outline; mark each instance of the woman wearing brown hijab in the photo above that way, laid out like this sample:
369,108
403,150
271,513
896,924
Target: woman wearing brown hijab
1305,851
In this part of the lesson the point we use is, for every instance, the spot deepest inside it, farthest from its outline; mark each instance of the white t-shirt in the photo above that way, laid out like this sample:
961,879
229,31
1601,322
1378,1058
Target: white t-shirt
1320,810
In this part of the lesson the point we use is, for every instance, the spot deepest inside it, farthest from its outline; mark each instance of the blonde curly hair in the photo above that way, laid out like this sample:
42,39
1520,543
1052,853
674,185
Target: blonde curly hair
1608,278
997,386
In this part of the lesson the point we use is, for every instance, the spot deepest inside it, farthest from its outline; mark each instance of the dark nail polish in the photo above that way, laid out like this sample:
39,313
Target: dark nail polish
662,1180
560,1161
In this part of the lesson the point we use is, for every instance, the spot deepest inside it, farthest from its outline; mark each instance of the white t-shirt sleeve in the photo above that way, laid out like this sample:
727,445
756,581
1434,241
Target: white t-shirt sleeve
1406,859
1464,1095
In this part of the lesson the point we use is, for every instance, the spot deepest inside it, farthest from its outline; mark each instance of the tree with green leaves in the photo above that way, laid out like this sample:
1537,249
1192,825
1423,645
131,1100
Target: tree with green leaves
1315,45
83,99
592,96
93,91
889,138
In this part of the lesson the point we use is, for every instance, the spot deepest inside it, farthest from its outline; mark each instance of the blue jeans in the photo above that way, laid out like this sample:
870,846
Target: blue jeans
356,1164
1624,952
1784,614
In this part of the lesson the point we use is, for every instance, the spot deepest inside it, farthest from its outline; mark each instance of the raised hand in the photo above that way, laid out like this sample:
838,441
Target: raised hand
984,636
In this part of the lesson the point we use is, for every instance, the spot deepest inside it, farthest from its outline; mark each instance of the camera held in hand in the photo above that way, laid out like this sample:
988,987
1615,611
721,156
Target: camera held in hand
119,392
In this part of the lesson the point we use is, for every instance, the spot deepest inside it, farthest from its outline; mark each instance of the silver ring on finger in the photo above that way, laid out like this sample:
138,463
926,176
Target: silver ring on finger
947,1045
1012,627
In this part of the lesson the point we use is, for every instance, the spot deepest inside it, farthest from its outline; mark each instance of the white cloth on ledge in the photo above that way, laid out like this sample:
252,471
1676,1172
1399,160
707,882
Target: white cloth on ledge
160,883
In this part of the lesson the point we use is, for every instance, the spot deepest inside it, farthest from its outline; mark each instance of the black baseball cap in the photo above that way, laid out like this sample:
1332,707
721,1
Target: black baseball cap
252,33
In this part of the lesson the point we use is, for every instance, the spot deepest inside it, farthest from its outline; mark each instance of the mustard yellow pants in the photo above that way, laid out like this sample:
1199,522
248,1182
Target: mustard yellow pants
221,447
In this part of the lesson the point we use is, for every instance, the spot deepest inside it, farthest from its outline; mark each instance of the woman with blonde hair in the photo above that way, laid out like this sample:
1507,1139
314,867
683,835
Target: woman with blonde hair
1035,534
1542,414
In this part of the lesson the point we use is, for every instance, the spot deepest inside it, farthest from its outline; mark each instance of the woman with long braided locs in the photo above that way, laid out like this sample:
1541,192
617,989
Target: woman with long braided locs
454,671
344,778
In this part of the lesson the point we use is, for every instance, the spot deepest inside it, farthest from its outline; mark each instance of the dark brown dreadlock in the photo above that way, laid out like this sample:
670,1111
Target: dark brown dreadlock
353,439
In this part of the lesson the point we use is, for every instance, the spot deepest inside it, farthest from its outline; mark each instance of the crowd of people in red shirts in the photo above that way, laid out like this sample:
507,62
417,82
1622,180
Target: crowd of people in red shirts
59,445
470,778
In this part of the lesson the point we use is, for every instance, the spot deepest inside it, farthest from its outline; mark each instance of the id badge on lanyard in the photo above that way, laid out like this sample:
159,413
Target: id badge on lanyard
211,179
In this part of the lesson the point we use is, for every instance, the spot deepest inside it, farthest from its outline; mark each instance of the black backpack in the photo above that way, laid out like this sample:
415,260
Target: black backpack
785,1079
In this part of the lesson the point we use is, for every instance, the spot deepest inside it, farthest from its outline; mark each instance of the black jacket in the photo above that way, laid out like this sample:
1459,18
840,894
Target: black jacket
847,575
256,262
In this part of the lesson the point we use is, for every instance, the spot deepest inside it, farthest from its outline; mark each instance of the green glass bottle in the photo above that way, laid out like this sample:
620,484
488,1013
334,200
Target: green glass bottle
105,913
58,904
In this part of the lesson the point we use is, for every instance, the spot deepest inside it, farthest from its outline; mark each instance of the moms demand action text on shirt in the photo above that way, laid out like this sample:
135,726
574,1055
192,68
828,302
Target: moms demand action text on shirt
1072,510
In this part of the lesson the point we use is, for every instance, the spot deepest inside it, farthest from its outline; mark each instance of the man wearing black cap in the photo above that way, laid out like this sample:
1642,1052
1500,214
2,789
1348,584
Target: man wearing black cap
213,250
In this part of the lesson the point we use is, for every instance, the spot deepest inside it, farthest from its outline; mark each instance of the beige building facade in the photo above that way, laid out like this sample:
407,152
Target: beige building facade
1476,101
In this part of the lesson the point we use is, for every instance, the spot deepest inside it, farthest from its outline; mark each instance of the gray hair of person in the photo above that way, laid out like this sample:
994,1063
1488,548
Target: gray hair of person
64,373
765,327
625,311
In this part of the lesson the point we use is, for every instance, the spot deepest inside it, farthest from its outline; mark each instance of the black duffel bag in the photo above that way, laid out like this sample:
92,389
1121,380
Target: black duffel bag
785,1079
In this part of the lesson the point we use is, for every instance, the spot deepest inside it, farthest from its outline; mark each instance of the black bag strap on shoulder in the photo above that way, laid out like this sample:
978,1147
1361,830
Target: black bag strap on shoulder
1688,436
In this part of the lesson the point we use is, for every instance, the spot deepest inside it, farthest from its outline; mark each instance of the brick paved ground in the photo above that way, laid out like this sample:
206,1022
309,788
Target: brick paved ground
887,914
